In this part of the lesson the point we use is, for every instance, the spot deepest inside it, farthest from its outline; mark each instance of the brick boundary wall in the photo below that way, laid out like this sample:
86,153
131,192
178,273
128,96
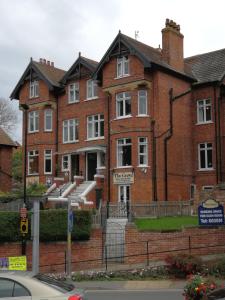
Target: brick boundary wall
87,255
197,241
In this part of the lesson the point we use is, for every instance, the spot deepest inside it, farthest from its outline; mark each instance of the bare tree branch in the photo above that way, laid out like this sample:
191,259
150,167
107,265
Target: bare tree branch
8,115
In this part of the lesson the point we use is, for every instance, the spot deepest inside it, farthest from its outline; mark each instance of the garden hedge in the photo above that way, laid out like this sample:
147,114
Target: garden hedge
53,226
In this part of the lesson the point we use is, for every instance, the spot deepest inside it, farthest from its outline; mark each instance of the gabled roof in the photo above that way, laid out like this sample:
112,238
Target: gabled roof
208,67
49,74
81,61
149,56
5,139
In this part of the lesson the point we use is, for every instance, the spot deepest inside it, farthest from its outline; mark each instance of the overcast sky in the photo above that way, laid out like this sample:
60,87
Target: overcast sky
58,29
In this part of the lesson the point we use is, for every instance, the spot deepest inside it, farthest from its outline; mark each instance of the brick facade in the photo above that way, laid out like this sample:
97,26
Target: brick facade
169,126
6,154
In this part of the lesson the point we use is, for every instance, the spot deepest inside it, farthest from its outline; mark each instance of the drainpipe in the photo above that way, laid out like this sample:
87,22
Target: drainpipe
57,136
109,153
154,182
167,138
216,132
219,141
169,135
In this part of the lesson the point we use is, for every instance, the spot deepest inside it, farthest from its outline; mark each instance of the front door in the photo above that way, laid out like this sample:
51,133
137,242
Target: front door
91,165
75,170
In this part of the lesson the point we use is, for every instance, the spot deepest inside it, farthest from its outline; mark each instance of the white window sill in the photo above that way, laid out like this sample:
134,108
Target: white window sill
122,76
142,116
100,168
123,117
96,138
77,101
71,142
206,169
204,123
33,131
47,173
48,130
65,170
124,167
143,166
34,97
34,174
92,98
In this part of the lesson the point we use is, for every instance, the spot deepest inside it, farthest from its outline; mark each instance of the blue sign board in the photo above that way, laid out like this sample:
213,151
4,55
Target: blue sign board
210,213
70,220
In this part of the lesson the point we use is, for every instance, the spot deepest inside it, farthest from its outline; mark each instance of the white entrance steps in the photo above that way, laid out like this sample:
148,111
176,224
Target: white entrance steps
115,239
58,192
78,196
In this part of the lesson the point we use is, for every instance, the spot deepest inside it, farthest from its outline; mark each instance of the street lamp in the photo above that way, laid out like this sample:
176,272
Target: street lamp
25,108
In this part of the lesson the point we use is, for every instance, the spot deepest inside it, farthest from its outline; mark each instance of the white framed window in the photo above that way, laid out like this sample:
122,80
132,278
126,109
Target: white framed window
124,193
95,126
205,156
73,92
33,121
48,162
204,111
70,131
122,66
124,147
65,162
34,89
91,89
33,162
123,105
142,103
48,119
100,160
143,151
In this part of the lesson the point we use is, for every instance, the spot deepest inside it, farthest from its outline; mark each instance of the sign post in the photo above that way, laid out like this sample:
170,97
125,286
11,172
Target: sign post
69,230
210,213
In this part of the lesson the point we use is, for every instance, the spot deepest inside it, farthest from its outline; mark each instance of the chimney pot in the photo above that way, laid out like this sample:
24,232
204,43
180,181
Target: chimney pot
52,63
44,61
40,60
48,62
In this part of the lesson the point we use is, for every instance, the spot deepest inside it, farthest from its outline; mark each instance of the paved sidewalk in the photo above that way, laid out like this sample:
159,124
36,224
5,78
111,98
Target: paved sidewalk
131,285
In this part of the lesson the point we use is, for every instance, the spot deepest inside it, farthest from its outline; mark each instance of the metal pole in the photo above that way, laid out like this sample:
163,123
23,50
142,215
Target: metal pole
69,240
36,225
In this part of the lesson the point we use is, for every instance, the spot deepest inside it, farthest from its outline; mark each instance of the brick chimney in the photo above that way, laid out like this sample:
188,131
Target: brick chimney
172,45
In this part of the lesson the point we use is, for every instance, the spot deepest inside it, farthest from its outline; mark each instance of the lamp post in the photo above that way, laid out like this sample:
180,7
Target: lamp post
25,108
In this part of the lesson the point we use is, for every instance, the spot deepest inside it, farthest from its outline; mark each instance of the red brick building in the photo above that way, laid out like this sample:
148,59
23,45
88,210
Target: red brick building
143,124
6,153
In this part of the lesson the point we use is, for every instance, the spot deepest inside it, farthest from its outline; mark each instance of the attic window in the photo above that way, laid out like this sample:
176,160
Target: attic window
122,66
34,89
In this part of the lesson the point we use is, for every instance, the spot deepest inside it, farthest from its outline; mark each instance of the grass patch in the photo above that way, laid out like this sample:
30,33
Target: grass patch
166,223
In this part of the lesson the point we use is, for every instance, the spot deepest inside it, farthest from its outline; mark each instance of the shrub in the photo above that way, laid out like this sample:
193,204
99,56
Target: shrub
9,224
53,226
182,265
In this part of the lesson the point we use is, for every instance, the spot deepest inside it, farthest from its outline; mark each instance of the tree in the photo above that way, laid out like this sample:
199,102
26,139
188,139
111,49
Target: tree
17,165
8,115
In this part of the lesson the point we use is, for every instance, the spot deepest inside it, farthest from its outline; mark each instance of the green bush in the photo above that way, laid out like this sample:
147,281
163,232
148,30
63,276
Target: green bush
9,224
181,265
53,226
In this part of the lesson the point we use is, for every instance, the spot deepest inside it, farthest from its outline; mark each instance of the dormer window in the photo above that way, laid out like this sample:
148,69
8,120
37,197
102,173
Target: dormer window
73,92
91,89
122,66
34,89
